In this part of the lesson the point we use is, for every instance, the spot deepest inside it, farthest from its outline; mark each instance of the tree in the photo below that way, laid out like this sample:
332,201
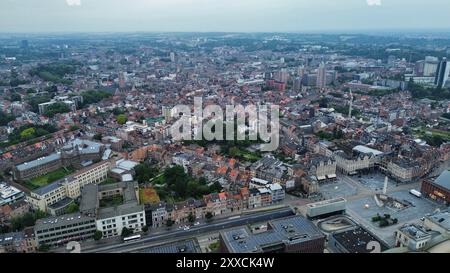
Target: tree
145,229
98,235
5,118
44,248
15,97
98,136
56,108
191,218
72,208
121,119
28,133
170,223
126,232
145,172
215,187
209,216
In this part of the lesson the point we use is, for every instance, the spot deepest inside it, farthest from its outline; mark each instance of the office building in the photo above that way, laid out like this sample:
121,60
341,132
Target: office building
58,231
293,234
442,73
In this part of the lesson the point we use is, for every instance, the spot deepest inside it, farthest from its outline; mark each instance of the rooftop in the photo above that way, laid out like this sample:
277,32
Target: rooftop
443,180
355,240
289,230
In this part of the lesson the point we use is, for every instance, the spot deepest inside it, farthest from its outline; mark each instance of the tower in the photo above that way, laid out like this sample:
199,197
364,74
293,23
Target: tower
442,73
321,76
385,184
351,105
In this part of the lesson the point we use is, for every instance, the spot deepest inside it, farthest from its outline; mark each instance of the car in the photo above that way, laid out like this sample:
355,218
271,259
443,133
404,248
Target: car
186,228
197,223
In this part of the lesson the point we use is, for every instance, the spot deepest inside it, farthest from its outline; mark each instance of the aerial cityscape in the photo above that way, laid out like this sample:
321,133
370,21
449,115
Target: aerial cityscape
223,141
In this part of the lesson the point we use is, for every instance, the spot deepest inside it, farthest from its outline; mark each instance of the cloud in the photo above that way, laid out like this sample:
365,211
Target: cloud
73,2
373,2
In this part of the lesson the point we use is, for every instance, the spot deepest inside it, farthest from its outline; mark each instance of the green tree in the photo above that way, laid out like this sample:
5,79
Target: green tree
28,133
126,232
215,187
98,136
121,119
145,229
145,172
44,248
191,218
15,97
209,216
72,208
98,235
169,223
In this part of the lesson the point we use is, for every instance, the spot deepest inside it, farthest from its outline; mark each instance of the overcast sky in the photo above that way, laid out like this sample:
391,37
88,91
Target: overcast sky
222,15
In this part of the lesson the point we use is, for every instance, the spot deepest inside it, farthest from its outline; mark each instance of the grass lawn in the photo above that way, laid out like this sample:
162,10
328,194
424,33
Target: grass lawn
148,196
50,177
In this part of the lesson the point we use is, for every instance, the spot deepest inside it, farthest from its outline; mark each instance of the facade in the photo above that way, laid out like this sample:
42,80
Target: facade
442,73
326,208
351,164
55,231
18,242
439,189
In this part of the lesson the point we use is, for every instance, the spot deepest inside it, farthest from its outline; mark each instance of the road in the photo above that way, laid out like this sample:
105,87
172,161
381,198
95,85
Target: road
118,247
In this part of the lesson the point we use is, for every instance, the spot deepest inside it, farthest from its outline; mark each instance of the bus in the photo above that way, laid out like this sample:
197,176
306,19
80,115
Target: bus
132,238
416,193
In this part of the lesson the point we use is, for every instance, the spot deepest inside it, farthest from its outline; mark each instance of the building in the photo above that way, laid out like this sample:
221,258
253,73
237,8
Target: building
277,192
293,234
18,242
351,165
354,240
442,72
9,194
322,167
59,230
78,153
101,202
439,189
55,197
439,221
321,76
326,208
412,236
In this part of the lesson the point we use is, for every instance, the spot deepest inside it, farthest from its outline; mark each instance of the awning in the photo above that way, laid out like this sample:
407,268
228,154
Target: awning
331,176
321,178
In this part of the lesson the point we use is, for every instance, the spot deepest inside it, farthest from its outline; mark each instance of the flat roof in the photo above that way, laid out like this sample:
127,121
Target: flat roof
294,229
355,240
441,218
38,162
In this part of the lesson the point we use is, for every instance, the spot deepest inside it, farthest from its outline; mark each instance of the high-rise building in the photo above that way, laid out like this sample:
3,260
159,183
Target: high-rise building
442,73
172,57
321,76
430,66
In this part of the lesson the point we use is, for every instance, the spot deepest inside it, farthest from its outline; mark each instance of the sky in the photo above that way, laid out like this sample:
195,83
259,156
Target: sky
222,15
